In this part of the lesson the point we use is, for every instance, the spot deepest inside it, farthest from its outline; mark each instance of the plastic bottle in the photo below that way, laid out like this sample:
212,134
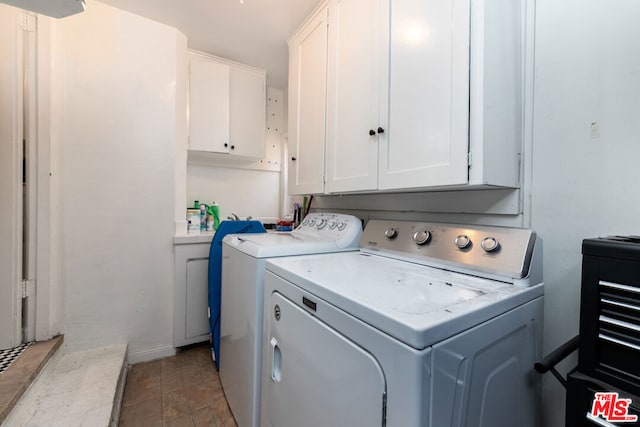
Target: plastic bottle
215,213
203,217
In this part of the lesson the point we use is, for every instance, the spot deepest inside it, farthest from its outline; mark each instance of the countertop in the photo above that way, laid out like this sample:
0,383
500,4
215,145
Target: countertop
191,238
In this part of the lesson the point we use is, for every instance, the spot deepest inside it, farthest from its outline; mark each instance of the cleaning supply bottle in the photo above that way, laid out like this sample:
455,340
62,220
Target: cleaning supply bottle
214,210
203,217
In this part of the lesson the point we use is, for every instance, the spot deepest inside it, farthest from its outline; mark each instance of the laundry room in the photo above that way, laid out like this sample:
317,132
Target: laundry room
373,213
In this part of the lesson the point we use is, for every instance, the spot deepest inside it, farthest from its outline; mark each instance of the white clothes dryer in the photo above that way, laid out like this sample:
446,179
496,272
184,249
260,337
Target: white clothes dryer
243,261
428,325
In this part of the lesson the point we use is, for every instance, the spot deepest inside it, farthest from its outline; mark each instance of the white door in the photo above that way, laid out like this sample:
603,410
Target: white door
307,107
316,376
427,140
11,135
208,105
356,93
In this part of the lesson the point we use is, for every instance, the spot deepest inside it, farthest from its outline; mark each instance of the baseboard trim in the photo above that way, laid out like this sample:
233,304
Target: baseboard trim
152,353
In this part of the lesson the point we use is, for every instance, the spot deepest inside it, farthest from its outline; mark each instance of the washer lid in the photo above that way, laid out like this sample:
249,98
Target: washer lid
268,245
415,304
318,233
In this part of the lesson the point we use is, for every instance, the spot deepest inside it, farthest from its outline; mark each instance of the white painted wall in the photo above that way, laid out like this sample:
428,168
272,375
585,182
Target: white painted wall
584,185
118,78
244,192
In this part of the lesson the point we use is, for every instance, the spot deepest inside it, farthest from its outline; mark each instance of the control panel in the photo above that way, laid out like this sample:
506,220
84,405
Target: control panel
343,229
498,250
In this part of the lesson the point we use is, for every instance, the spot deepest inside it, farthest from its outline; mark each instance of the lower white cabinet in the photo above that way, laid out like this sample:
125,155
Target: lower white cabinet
191,319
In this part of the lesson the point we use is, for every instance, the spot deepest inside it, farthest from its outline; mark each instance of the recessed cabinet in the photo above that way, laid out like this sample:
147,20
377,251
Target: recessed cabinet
227,107
419,94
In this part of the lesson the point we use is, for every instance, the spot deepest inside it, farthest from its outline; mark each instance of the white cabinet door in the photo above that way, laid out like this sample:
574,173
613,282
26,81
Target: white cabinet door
191,320
358,35
427,139
247,113
208,105
307,107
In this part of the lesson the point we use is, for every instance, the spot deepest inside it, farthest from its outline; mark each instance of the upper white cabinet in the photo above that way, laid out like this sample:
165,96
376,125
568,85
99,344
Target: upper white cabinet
227,103
420,94
426,143
356,92
307,106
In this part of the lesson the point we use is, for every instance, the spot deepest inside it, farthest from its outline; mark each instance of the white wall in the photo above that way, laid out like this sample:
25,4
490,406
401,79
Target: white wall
117,75
584,185
244,192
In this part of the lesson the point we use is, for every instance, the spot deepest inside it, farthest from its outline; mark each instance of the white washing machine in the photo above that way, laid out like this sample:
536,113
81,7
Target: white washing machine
243,261
428,325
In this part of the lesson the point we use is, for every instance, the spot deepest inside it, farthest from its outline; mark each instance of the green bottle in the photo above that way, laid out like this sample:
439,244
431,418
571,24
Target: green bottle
214,212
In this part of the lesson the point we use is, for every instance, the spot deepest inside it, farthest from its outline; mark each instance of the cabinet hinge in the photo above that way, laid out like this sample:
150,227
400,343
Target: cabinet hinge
28,288
28,22
469,159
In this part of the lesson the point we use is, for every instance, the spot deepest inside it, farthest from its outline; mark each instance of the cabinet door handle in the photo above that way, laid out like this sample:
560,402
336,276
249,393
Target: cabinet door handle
372,132
380,130
293,159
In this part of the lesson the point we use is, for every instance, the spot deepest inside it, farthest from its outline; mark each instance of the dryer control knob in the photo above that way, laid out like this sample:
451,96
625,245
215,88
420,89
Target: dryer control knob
391,233
321,224
342,226
332,225
462,241
490,244
422,237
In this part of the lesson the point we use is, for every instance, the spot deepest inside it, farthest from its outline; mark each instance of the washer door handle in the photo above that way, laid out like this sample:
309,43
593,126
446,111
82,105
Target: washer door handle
276,361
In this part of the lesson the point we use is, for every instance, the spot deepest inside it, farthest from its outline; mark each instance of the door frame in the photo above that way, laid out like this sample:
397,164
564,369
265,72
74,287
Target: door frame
11,134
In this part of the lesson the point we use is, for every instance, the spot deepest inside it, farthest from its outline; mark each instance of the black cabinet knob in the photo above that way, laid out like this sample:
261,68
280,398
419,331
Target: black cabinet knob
380,130
233,147
293,159
372,132
226,145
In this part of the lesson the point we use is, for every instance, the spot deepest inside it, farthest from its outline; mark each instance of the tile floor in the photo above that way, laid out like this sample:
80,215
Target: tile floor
183,390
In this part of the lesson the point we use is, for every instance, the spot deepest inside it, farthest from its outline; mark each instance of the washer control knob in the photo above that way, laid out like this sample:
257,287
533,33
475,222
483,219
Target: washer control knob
312,222
490,244
462,241
342,226
422,237
391,233
321,224
332,225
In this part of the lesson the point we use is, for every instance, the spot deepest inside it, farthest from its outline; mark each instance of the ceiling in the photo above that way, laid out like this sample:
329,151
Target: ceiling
253,32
